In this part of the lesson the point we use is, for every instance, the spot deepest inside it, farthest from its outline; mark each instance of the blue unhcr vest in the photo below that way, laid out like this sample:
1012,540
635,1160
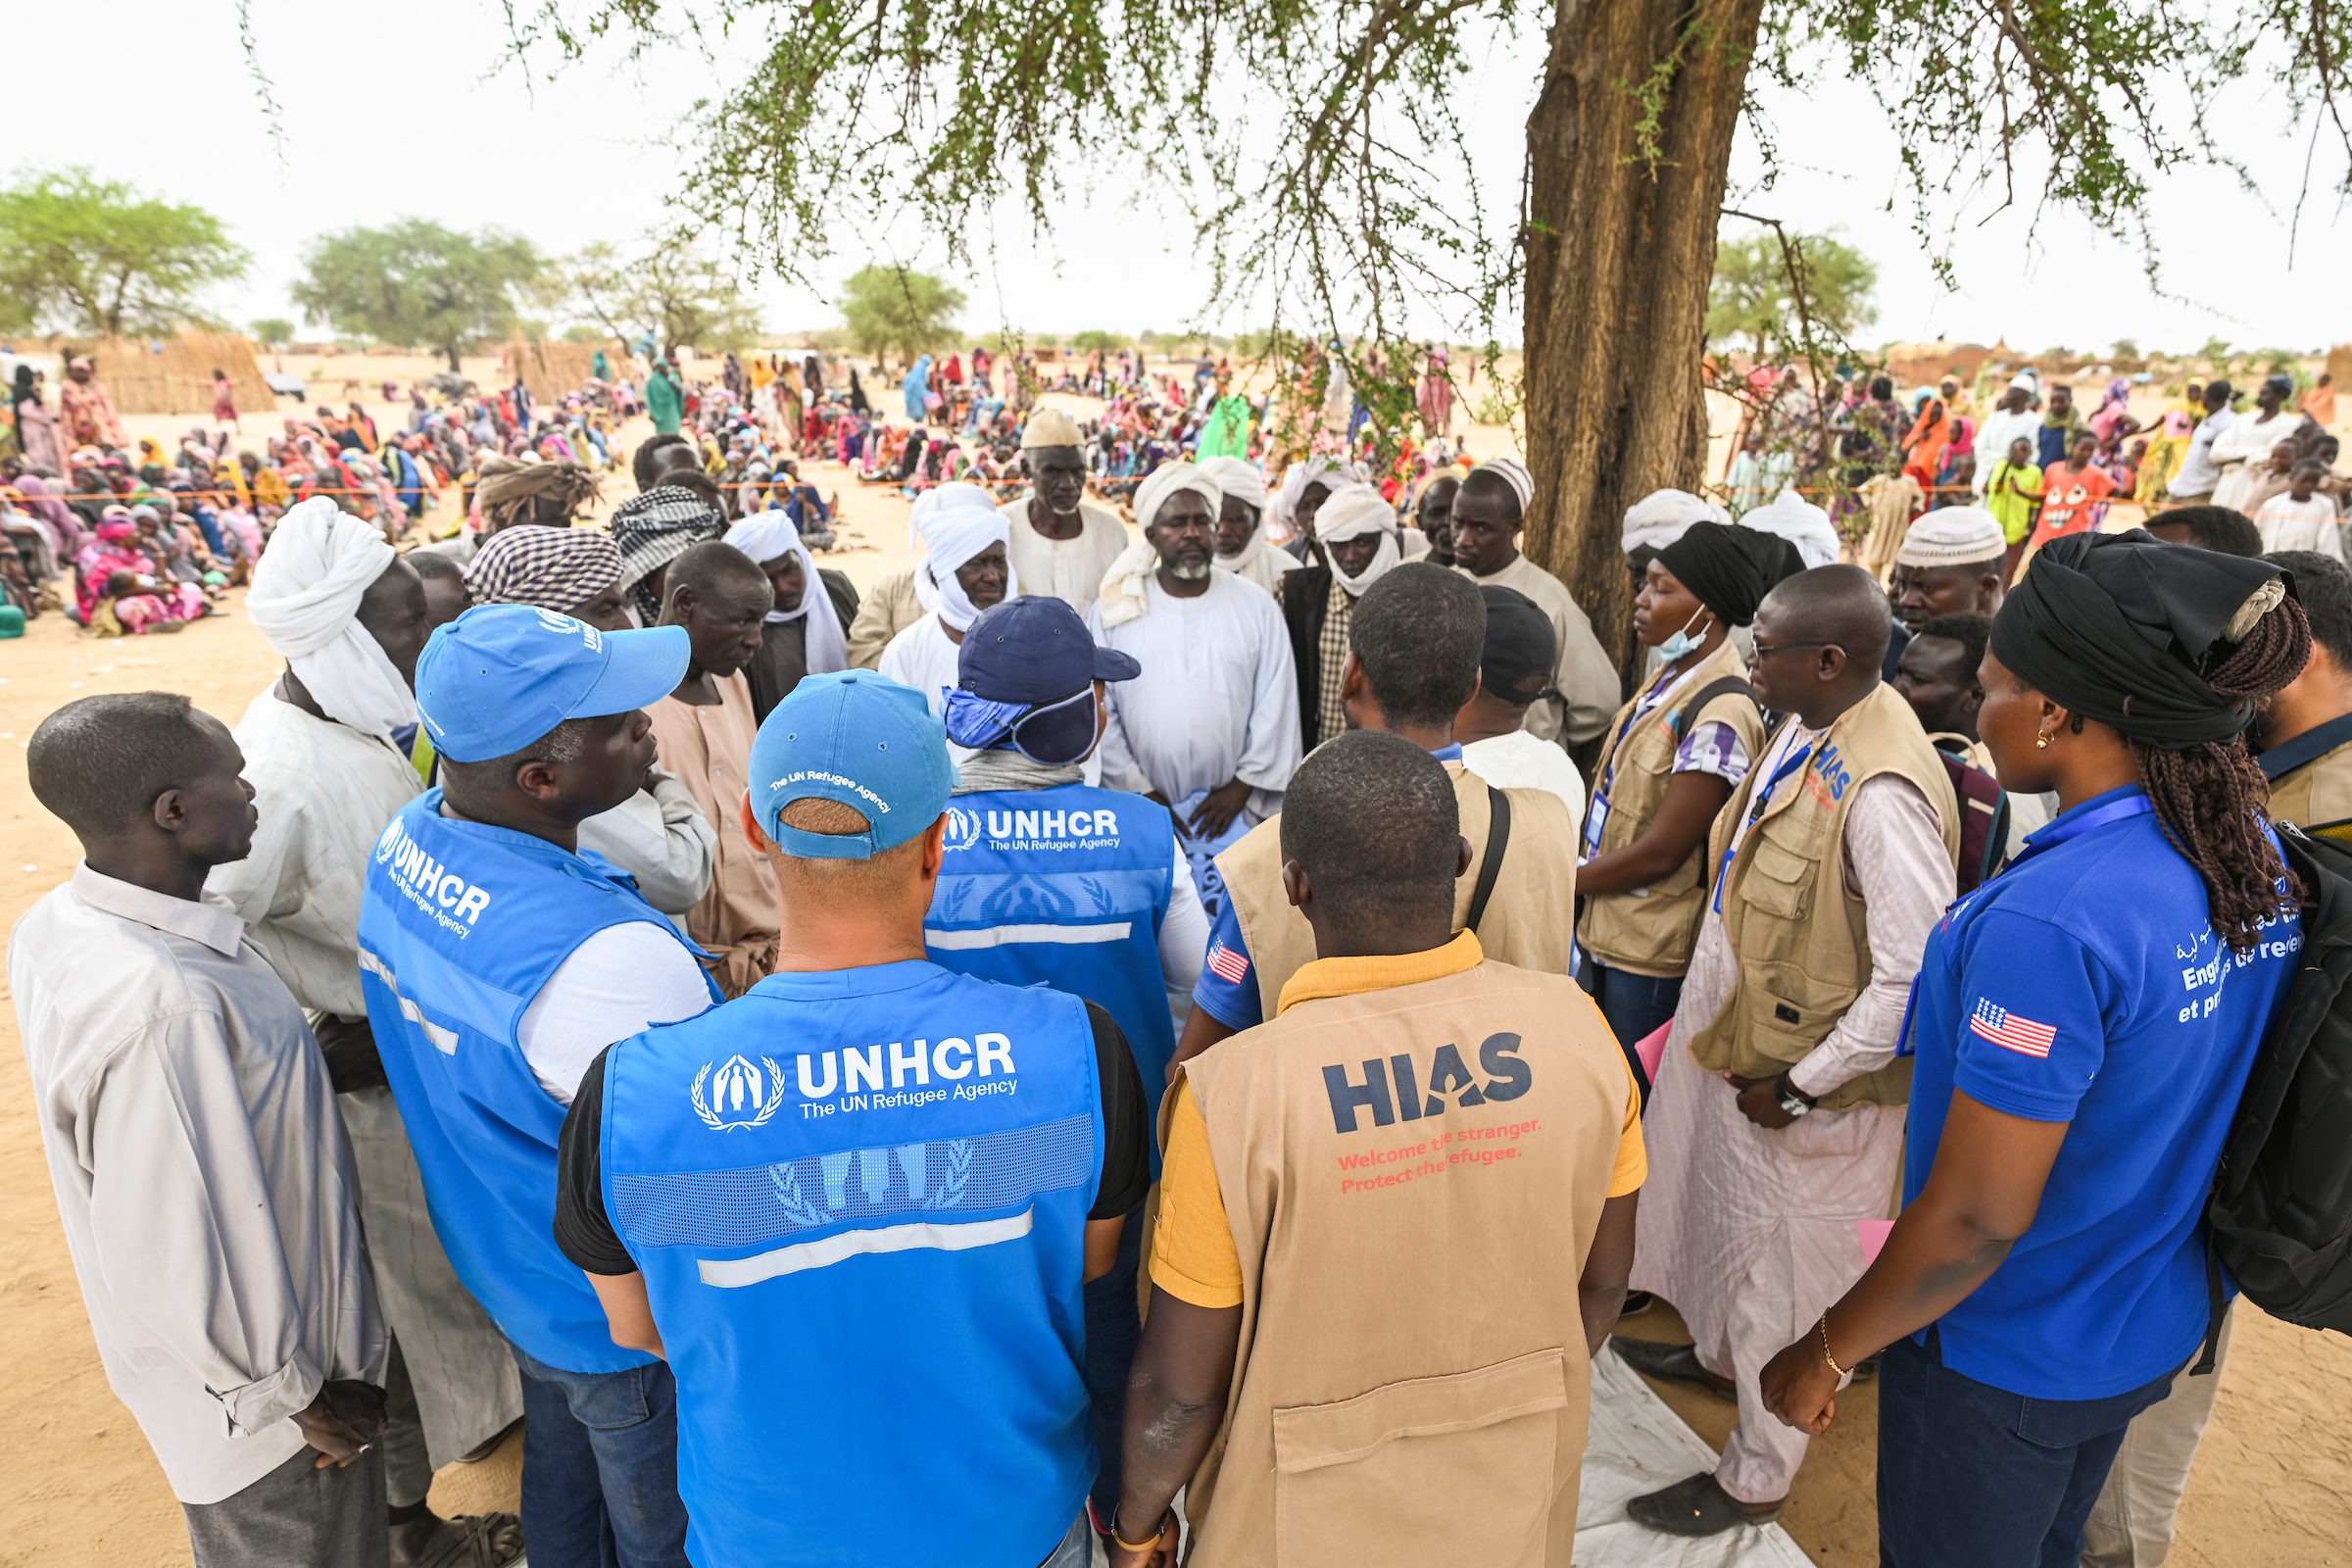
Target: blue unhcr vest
459,926
860,1200
1065,887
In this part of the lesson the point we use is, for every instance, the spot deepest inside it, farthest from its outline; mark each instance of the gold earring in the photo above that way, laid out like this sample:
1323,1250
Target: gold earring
2041,742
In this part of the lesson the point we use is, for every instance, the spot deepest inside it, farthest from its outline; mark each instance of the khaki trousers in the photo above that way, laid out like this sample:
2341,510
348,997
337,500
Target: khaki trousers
2131,1526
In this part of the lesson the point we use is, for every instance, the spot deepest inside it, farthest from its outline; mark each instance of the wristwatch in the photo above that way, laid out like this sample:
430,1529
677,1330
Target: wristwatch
1794,1100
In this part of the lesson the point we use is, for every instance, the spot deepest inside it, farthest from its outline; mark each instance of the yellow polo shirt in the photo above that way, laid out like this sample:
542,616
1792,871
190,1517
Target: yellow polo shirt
1193,1255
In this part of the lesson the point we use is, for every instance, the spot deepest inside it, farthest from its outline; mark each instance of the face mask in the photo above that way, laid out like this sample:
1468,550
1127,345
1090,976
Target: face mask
1682,642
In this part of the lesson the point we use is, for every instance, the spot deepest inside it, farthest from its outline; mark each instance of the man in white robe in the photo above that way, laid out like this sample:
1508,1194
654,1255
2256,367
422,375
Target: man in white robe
1488,513
1240,531
1211,727
1060,542
964,569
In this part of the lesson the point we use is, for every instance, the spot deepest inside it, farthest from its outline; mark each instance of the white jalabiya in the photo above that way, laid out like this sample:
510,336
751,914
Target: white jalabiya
1217,699
2242,449
2286,523
1068,570
922,657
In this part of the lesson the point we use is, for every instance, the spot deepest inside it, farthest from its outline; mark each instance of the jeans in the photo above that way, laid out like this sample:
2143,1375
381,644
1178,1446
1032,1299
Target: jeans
1113,1325
600,1468
1971,1476
1077,1549
1634,1006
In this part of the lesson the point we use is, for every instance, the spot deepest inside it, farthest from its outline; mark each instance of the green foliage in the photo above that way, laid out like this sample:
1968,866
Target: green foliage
584,332
1097,341
2123,348
273,331
82,254
417,283
896,310
1756,278
669,287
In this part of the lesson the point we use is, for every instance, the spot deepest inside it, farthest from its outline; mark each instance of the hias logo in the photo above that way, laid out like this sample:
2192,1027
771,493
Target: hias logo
964,829
734,1094
1392,1091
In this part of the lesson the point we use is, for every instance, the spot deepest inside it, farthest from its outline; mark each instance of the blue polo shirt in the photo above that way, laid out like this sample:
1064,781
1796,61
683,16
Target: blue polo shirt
1227,990
2084,985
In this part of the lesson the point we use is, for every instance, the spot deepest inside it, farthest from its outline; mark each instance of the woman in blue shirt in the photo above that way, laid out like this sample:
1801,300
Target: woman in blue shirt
2084,1025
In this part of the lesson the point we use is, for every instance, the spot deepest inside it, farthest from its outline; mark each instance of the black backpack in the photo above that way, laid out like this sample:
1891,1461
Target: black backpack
2281,1214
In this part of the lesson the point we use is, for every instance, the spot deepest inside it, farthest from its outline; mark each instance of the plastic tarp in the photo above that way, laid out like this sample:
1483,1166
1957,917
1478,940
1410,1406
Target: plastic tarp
1638,1445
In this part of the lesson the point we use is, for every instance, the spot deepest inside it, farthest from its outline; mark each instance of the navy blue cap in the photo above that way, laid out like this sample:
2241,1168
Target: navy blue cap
500,676
1035,649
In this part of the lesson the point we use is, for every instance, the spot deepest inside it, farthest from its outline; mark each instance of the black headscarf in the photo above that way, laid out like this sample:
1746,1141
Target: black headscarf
2117,626
1729,569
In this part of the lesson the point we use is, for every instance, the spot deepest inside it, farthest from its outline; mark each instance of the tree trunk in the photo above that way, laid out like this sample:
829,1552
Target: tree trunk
1619,255
457,367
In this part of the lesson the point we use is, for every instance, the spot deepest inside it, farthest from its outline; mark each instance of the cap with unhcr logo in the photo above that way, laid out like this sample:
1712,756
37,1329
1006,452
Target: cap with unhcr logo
500,676
859,739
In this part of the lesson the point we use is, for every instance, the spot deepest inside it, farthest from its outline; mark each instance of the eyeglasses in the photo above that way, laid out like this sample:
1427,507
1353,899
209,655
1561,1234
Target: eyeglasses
1762,652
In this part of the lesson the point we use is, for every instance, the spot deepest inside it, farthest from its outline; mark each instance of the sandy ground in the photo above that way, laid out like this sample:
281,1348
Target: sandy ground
2273,1487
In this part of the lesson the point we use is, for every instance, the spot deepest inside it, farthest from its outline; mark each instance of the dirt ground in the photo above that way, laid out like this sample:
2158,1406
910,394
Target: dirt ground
2273,1488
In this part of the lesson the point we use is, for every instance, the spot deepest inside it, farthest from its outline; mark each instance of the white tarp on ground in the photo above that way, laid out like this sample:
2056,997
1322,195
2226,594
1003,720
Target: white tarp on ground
1638,1445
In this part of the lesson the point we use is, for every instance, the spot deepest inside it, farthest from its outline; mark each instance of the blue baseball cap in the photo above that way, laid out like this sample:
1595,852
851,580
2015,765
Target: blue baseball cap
500,676
859,738
1035,649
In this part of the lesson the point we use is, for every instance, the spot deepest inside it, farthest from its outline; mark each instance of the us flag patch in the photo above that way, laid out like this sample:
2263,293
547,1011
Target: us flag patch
1226,964
2007,1030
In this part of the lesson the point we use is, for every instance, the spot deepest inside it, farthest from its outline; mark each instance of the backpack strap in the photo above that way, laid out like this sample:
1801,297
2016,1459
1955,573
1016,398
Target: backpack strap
1721,686
1498,838
2215,1307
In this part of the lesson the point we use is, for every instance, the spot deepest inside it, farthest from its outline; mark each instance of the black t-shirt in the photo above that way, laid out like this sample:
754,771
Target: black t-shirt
584,1230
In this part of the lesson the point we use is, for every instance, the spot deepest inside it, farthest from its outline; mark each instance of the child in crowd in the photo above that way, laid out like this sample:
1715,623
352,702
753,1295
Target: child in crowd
2299,517
2011,494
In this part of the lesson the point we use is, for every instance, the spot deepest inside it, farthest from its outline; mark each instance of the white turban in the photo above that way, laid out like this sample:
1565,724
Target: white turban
957,521
1124,595
1351,511
1662,516
1282,513
1800,522
1255,561
1952,536
306,600
1238,480
770,536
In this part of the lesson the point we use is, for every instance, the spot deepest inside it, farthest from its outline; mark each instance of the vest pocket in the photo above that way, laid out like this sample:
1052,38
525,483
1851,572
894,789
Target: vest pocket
1355,1477
1778,880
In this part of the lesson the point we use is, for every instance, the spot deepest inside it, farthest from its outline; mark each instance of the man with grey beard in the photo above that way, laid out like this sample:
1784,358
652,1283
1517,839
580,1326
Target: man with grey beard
1211,727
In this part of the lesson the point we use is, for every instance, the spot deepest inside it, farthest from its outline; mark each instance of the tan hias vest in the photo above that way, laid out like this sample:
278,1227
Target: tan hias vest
1651,930
1414,1178
1800,934
1529,916
2317,796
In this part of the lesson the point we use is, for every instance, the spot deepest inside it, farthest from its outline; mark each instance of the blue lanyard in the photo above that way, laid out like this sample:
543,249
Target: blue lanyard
1756,811
2071,826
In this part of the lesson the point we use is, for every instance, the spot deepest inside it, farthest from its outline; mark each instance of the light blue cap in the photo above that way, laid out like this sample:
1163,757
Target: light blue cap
859,738
500,676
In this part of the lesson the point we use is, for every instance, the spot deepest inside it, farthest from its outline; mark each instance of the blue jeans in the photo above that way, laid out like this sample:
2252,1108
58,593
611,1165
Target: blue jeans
1971,1476
1077,1549
600,1468
1634,1006
1113,1326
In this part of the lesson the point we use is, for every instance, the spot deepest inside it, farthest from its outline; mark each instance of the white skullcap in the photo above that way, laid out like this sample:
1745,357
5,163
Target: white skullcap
1662,516
1049,427
1512,473
1952,536
1799,522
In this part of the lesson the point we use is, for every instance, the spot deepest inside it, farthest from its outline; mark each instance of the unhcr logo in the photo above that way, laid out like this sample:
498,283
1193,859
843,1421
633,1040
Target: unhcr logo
736,1094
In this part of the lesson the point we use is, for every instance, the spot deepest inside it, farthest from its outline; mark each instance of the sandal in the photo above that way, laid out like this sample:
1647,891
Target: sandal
1671,1363
469,1540
1695,1507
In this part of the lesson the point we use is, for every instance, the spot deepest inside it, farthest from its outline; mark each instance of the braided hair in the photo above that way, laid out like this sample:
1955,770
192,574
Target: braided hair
2212,799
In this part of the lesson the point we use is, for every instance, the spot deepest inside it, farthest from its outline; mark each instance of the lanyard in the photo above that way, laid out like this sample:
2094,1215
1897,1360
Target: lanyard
1756,810
2073,826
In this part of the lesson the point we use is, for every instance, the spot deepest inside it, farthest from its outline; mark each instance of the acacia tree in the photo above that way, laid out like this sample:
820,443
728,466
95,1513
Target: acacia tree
1315,144
668,287
88,254
897,308
1753,295
416,283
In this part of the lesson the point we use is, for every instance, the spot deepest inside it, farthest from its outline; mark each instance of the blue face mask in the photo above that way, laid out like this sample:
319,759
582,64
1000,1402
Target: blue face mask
1682,642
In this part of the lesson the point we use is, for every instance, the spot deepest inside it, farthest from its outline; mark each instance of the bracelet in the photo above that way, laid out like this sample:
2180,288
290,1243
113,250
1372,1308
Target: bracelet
1825,1348
1144,1545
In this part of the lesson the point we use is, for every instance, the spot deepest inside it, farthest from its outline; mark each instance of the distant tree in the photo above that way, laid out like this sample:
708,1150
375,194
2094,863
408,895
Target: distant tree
1755,295
418,283
897,308
668,287
273,331
2123,348
1097,341
583,332
81,254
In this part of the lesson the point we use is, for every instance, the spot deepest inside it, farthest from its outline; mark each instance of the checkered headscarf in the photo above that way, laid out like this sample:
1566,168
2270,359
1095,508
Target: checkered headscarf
654,529
554,568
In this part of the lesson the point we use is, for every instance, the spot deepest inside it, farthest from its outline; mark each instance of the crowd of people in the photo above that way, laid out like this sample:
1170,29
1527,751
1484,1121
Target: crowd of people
1036,1055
